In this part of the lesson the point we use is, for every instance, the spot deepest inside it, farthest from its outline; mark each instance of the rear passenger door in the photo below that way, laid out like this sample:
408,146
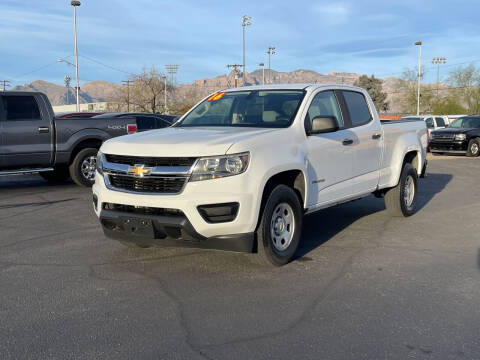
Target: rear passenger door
26,136
366,142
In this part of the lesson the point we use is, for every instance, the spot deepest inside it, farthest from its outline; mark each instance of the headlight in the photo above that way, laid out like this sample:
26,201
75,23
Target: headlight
220,166
460,137
99,163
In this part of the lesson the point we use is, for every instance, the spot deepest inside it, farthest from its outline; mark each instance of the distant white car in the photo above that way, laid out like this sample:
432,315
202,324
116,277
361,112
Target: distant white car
434,122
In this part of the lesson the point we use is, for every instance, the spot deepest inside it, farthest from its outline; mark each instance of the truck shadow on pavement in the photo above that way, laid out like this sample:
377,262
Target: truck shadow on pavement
30,181
320,227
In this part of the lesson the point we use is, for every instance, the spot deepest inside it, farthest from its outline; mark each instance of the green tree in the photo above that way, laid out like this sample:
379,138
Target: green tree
466,80
375,90
448,105
406,93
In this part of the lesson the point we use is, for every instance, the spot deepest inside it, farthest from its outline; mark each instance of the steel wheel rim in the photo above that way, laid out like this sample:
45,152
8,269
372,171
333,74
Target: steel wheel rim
474,149
88,167
409,191
282,226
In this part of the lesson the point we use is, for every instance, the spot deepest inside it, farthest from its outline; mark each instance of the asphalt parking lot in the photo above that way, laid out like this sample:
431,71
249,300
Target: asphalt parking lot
365,286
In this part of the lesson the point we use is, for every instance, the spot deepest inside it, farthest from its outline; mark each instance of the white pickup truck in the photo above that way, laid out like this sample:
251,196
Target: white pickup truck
242,167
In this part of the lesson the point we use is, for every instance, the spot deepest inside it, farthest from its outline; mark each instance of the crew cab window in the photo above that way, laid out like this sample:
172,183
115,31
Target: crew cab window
17,108
440,122
357,108
324,104
429,123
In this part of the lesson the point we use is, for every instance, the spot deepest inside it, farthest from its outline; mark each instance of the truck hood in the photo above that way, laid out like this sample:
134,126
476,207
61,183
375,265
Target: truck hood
449,131
181,141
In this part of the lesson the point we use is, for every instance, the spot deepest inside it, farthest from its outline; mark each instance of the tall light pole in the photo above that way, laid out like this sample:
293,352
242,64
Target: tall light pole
270,52
164,77
263,72
245,22
74,4
437,61
419,75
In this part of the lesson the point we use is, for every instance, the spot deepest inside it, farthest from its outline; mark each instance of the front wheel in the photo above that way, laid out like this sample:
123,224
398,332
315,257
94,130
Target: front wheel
82,168
473,149
402,199
280,228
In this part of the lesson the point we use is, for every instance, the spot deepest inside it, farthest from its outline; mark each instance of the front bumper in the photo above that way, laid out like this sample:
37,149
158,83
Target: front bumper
191,228
167,231
459,147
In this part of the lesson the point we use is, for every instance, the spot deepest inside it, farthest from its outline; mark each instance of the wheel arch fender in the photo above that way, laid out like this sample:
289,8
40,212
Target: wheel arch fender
293,175
84,139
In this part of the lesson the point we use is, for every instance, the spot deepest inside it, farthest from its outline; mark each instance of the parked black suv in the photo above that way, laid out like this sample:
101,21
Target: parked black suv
462,137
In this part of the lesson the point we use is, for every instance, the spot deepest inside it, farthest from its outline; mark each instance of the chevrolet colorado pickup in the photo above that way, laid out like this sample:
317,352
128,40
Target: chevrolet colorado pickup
32,140
241,168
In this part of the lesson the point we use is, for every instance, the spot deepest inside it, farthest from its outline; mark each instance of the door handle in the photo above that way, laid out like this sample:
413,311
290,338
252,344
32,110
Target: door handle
347,142
43,129
376,136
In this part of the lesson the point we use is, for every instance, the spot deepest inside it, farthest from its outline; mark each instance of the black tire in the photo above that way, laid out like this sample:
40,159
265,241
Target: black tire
59,174
395,197
473,149
270,251
76,167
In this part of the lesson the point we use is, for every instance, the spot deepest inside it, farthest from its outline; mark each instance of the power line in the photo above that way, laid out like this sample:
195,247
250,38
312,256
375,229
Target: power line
105,65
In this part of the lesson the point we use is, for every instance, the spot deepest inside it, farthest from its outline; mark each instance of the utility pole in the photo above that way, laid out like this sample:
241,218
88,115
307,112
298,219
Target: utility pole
5,84
74,4
419,75
245,22
437,61
235,71
271,51
67,80
172,70
263,72
127,83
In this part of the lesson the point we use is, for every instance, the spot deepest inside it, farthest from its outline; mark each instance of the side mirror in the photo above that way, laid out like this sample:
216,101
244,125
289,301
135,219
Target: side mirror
323,124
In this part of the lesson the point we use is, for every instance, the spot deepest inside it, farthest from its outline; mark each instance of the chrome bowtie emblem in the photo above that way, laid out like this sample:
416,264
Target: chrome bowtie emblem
139,170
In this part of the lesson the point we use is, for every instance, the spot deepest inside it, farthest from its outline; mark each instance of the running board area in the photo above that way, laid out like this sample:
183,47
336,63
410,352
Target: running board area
23,171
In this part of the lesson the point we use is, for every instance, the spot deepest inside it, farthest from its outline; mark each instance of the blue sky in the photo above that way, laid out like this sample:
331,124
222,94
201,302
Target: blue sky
373,37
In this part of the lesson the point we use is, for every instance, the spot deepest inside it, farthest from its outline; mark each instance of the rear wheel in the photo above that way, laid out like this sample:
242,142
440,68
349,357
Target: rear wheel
402,199
279,231
59,174
473,149
82,168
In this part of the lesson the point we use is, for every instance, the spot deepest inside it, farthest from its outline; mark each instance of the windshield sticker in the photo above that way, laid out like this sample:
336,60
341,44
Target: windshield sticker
216,96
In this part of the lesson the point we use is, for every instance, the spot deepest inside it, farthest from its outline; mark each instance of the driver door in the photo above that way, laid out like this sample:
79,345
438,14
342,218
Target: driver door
330,155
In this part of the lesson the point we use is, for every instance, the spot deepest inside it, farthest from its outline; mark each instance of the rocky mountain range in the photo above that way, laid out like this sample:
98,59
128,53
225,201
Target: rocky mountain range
99,91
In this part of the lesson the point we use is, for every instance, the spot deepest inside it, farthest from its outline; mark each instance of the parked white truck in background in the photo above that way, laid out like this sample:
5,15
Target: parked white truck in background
242,167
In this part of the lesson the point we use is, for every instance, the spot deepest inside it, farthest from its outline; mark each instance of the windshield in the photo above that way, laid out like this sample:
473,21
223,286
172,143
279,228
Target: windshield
466,122
255,108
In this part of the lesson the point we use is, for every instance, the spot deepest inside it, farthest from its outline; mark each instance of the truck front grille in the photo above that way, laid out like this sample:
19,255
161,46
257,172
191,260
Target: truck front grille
443,137
150,161
148,184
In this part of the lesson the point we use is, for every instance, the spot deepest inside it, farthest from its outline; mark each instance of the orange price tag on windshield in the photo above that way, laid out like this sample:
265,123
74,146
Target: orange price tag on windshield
216,96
